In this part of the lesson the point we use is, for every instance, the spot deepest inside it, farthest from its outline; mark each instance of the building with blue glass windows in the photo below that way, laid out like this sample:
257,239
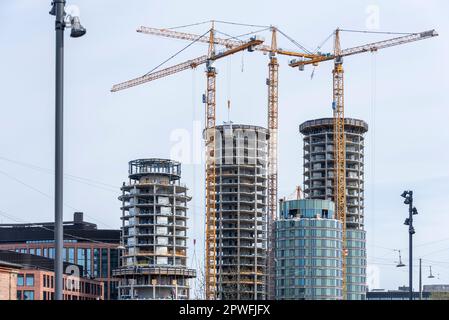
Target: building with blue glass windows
318,166
308,251
96,250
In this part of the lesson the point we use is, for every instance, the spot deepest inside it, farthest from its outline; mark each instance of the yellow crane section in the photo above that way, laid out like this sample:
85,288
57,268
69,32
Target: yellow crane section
229,43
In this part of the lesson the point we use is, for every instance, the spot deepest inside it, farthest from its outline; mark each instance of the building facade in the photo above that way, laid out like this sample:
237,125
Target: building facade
308,250
154,232
84,244
241,208
318,163
34,284
33,279
8,280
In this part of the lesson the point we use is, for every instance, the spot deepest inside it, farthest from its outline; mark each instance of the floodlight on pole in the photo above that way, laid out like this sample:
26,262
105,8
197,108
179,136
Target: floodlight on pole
58,10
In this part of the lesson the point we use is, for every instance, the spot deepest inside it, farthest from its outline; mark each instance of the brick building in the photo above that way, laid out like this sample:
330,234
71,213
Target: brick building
8,280
96,250
31,277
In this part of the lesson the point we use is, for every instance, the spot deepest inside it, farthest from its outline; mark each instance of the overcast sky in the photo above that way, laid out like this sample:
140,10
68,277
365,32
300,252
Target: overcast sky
400,92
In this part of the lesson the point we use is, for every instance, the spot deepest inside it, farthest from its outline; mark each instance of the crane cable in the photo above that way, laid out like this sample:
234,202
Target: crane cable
241,35
377,32
174,55
294,42
373,139
240,24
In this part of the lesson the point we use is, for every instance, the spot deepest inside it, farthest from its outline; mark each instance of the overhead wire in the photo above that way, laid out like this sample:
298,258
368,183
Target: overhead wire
47,195
70,176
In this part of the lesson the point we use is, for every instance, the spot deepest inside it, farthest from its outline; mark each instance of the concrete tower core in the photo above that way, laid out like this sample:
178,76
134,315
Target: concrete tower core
241,186
319,164
154,226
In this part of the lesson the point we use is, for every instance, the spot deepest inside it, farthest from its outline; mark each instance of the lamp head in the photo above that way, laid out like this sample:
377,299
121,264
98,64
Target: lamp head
77,29
404,194
53,9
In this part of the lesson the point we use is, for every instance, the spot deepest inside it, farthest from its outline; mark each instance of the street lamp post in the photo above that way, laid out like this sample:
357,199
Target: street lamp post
408,196
420,279
62,20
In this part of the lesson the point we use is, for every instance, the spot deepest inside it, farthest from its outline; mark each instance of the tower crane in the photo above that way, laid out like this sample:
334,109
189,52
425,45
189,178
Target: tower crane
338,113
272,115
210,106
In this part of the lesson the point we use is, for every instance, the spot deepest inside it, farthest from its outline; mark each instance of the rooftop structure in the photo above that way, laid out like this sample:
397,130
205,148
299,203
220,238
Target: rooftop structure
154,232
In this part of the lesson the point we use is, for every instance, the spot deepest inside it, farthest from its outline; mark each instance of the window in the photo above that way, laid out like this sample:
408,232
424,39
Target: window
19,295
51,253
81,258
72,255
28,295
89,262
29,280
20,280
104,263
96,263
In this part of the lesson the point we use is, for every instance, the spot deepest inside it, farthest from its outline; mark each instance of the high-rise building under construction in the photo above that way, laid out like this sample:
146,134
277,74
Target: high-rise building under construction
318,157
154,227
241,208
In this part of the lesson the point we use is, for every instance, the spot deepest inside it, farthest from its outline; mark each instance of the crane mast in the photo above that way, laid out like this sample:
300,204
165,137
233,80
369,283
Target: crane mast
273,68
339,145
211,216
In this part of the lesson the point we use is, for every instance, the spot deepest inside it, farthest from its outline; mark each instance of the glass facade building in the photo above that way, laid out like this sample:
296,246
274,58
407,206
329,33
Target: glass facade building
356,264
308,251
318,157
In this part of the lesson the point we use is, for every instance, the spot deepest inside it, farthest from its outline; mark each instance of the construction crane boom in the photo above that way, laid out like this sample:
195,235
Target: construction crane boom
190,64
228,43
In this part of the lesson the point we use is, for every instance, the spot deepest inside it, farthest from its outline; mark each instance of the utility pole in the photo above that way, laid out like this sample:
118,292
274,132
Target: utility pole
420,279
408,195
72,21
